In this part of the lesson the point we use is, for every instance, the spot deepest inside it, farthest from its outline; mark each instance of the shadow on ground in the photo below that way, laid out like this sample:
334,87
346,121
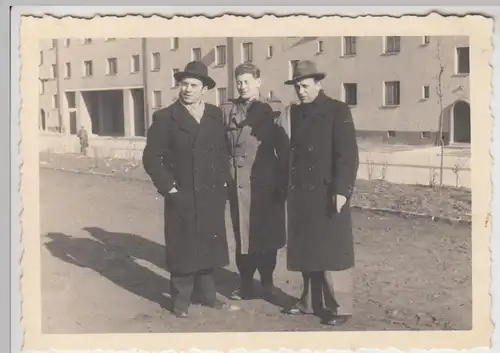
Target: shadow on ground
114,256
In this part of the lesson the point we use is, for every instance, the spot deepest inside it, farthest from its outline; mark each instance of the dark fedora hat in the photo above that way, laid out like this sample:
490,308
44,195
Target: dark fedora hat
305,69
196,69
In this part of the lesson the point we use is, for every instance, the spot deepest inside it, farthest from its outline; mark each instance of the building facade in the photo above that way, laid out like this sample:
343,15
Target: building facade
400,89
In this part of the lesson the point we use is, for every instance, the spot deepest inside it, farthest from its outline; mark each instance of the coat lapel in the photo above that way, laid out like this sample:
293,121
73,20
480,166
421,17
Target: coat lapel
207,123
307,115
185,120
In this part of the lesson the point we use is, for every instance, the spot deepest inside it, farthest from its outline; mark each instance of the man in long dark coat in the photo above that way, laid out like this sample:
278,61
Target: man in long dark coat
324,164
186,157
259,164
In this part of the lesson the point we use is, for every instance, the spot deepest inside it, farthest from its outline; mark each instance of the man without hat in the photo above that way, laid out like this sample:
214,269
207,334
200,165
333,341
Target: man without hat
259,163
324,164
186,157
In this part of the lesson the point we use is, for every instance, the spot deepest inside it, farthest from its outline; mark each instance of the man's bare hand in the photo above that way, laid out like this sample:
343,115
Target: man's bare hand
340,201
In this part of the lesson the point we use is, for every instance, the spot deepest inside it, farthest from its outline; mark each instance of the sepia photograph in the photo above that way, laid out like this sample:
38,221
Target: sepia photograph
194,184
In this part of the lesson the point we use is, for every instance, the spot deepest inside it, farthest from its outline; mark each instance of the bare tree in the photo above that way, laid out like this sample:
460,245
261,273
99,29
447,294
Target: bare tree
440,94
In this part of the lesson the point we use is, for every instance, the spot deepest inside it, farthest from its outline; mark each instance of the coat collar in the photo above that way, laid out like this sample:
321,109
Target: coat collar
319,106
255,111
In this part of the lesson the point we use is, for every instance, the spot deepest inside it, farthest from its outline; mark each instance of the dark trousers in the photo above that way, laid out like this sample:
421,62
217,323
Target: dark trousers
183,285
264,262
330,290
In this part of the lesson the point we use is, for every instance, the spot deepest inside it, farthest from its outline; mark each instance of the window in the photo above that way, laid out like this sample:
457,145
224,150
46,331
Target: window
291,67
392,44
196,54
55,101
174,81
220,55
88,68
425,134
270,95
87,40
41,57
349,46
71,98
156,99
426,40
67,42
320,47
67,70
109,39
270,51
392,93
112,66
221,95
155,61
351,93
53,71
247,52
135,63
426,92
463,60
54,43
391,133
174,43
42,87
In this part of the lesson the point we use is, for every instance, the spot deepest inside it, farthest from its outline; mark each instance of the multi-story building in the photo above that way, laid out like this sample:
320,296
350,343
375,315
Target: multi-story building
400,89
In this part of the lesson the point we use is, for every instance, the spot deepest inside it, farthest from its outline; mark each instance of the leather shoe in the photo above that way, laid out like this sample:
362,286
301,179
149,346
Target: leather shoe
293,310
218,304
336,320
181,314
240,294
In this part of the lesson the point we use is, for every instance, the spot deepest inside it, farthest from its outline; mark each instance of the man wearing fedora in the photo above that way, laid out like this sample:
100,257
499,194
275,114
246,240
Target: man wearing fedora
324,164
259,165
186,156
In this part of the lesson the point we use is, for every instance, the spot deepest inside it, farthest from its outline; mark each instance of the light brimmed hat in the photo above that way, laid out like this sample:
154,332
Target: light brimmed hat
196,69
305,69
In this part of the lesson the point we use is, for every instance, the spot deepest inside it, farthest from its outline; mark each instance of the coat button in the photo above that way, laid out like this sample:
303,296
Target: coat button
310,168
311,188
215,235
240,165
293,187
311,148
240,186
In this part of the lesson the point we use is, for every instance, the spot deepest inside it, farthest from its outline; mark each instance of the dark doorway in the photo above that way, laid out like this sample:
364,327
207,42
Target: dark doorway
139,122
72,123
105,109
461,122
43,123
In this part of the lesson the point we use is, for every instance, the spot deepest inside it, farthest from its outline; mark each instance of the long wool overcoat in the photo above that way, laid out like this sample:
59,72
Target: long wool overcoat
324,162
259,151
194,157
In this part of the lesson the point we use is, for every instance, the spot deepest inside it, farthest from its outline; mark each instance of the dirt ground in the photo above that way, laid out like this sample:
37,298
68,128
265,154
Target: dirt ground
103,268
439,201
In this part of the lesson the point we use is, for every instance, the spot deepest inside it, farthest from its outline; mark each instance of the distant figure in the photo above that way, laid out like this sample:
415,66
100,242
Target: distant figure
84,140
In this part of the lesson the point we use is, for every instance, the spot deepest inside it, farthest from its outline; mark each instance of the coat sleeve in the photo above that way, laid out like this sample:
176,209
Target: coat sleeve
155,156
224,151
283,149
346,155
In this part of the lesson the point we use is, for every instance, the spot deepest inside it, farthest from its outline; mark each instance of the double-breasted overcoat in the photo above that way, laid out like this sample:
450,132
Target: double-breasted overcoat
259,169
324,162
194,157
